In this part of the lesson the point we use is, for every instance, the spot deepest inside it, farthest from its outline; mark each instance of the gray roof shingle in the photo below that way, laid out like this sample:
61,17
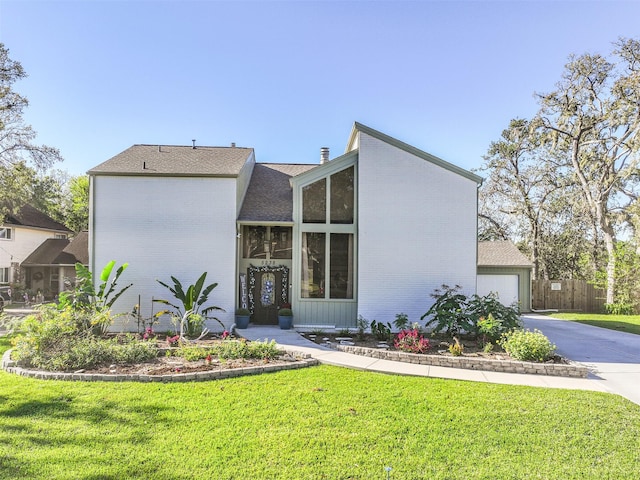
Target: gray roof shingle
501,254
29,216
269,197
60,251
175,161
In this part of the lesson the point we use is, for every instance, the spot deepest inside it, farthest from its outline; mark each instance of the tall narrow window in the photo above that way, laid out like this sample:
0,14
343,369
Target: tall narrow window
342,196
4,275
5,233
314,202
313,265
341,265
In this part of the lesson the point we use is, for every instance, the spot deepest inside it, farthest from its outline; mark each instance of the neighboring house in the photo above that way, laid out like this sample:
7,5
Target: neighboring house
20,234
54,262
503,269
370,233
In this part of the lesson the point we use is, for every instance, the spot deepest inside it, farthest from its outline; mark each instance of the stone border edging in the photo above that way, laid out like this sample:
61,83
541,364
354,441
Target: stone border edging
472,363
11,366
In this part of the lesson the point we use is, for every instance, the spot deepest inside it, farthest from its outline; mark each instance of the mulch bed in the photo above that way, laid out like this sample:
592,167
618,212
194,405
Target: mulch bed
439,346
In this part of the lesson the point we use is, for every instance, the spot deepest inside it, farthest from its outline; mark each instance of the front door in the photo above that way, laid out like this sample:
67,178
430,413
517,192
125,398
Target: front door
269,290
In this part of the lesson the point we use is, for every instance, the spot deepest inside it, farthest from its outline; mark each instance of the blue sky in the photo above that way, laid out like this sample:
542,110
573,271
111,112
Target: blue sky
287,78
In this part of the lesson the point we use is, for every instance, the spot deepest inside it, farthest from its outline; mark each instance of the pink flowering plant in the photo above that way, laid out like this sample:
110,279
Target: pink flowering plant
173,341
148,334
411,341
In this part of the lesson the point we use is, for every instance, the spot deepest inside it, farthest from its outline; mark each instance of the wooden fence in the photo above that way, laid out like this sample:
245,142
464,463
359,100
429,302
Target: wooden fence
567,295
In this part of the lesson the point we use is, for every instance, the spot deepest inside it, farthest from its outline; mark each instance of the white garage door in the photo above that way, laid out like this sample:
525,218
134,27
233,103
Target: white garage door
506,286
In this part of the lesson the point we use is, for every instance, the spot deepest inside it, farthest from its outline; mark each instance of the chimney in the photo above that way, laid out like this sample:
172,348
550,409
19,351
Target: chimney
324,155
194,144
233,144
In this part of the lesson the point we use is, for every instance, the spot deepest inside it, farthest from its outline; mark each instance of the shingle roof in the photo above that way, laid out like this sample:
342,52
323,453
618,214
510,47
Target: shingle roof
175,160
29,216
269,197
501,254
60,251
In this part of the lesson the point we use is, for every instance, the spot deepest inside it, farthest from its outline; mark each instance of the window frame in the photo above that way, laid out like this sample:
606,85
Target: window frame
325,172
9,230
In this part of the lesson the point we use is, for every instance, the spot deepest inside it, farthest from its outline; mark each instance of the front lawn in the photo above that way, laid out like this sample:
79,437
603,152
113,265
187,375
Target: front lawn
316,423
623,323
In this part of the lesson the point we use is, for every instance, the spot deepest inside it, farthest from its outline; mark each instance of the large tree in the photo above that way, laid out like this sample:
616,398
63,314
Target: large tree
17,150
593,118
523,181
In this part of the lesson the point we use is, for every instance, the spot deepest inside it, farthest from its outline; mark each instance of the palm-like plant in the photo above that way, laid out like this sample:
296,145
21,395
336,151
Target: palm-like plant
191,301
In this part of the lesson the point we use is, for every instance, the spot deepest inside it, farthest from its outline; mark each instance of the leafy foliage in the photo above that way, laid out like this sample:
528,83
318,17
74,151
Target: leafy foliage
504,319
528,346
454,313
382,331
230,350
411,341
63,340
86,297
449,311
18,153
402,321
191,300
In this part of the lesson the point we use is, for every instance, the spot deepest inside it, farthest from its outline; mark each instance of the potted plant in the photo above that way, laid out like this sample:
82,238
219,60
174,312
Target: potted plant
242,318
285,318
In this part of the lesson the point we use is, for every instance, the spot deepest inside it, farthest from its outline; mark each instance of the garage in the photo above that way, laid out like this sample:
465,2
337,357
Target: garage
503,269
506,286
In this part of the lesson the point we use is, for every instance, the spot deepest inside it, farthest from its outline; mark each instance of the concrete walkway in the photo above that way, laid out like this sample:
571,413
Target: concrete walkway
291,340
611,355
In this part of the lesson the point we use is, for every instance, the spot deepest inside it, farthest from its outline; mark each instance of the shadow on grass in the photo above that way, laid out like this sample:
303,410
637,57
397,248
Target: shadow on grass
613,325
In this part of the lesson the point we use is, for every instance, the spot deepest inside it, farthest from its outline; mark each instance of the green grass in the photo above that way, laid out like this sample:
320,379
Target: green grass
623,323
317,423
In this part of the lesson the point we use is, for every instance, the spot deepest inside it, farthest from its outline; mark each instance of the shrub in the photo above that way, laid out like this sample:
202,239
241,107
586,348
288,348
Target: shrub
528,346
230,349
505,318
381,330
411,341
63,340
361,324
619,308
449,312
74,353
402,321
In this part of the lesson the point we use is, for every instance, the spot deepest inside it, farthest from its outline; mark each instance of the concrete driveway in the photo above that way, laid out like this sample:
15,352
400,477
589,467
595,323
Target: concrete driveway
611,355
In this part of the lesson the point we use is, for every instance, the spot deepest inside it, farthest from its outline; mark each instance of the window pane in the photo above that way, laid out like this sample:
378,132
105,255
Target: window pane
341,264
342,196
314,202
281,242
5,234
4,275
253,242
313,256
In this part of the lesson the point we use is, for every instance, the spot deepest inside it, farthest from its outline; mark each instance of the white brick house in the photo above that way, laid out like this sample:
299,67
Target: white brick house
369,233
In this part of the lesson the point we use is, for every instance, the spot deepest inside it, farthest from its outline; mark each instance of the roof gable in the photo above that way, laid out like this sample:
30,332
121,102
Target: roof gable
167,160
60,251
352,144
28,216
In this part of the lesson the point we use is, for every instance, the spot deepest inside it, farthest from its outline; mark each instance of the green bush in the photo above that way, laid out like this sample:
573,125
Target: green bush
381,331
528,346
64,340
449,312
505,318
230,349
